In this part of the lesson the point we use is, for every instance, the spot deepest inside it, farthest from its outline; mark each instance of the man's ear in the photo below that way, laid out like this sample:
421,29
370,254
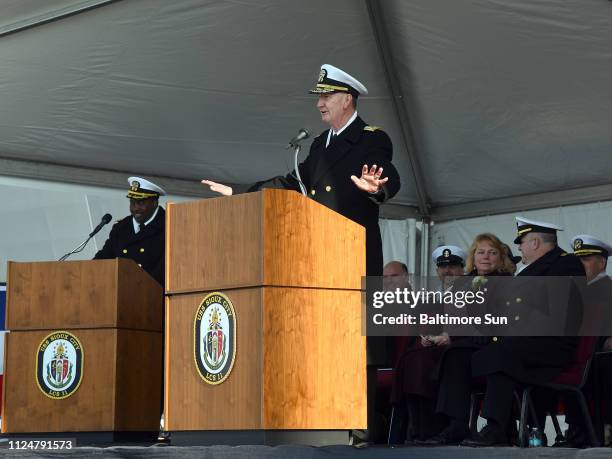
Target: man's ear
348,101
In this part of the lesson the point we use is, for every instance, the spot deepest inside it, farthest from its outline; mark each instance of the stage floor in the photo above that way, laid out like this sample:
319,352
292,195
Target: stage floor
304,452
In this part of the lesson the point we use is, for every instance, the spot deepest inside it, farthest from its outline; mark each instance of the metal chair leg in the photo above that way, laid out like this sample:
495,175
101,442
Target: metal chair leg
532,411
474,411
523,442
586,415
391,420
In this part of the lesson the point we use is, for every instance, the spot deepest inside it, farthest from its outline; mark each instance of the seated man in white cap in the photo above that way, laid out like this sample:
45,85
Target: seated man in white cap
449,261
141,235
415,389
593,254
344,170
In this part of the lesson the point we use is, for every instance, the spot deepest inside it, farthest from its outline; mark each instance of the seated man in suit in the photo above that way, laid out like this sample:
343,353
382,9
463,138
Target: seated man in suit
141,235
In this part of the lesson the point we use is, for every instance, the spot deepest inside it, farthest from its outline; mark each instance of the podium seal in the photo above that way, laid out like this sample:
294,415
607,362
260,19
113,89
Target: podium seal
59,365
214,343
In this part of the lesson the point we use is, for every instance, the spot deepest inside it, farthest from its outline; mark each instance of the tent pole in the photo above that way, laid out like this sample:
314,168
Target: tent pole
399,104
425,252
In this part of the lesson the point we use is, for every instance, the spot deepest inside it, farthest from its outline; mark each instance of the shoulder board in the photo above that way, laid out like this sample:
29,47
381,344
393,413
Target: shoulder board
371,128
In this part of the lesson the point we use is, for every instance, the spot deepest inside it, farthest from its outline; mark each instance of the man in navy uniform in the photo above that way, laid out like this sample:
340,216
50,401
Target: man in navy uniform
344,170
141,235
509,360
449,261
593,253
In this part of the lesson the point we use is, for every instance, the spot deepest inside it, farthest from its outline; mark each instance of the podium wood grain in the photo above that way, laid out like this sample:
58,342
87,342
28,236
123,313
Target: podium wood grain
314,359
82,294
293,270
115,393
115,309
273,237
192,404
296,367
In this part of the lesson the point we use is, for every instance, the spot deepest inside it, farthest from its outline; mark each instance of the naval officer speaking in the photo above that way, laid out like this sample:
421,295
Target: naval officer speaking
349,166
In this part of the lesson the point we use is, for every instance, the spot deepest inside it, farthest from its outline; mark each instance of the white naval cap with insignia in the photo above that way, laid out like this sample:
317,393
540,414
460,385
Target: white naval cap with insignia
448,255
524,226
332,79
141,188
585,245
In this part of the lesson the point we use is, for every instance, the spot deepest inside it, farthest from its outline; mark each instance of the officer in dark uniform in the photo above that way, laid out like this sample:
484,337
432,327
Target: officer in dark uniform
450,262
509,360
346,162
141,235
593,254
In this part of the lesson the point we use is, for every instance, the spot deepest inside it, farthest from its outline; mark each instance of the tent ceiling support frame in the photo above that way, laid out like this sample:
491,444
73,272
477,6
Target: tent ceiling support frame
117,179
53,16
95,177
511,204
382,42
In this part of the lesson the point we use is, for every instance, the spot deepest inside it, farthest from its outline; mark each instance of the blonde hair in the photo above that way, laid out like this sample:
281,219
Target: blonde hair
505,265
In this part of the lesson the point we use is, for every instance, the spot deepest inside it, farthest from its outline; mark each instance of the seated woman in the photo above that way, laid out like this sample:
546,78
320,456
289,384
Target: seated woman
486,257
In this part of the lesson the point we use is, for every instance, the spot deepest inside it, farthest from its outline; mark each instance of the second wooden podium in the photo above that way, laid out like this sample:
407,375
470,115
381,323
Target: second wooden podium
263,318
84,350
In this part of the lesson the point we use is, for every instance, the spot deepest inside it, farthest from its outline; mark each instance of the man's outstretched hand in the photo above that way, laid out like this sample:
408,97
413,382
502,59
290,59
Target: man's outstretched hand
370,180
218,187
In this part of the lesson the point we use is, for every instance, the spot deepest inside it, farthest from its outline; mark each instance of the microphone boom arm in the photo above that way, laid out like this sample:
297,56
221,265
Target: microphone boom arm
105,219
298,147
78,249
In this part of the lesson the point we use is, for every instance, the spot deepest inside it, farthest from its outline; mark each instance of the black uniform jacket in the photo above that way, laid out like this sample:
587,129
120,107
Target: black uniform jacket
597,317
533,359
326,174
146,247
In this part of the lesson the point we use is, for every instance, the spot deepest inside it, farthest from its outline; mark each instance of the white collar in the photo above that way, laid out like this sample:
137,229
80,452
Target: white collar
137,225
601,275
339,131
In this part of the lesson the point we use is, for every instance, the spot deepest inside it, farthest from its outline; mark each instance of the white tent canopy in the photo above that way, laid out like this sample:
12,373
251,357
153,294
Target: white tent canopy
491,98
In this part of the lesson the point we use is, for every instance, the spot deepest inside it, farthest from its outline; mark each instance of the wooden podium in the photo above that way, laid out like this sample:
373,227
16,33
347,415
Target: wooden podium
292,269
107,312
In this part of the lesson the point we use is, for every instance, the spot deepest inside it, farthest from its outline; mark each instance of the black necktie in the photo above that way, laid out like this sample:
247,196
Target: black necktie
333,137
141,226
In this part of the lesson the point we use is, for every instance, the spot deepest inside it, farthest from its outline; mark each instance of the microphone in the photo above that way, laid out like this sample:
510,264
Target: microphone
107,218
295,143
302,134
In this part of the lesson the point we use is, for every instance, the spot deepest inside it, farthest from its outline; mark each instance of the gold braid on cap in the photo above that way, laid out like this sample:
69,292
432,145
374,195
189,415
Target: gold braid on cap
141,194
331,87
136,192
